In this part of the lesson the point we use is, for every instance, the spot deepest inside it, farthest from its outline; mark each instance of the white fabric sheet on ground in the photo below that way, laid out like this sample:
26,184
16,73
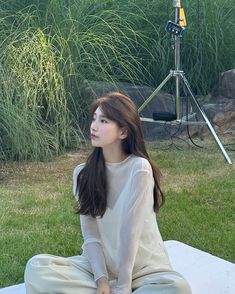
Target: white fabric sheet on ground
204,272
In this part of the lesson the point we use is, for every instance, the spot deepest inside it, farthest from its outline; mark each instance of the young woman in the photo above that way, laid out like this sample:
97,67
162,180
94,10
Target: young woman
118,196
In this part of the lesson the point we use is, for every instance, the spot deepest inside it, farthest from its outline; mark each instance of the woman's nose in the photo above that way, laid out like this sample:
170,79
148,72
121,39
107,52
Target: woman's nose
94,125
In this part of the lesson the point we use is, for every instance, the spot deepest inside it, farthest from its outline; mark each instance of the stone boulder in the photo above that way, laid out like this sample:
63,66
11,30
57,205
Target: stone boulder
225,86
163,102
221,108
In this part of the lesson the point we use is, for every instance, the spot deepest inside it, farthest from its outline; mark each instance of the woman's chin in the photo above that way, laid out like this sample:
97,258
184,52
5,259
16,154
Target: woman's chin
95,144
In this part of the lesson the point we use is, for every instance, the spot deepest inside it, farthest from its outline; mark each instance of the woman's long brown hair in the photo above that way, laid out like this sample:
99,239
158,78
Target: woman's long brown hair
92,180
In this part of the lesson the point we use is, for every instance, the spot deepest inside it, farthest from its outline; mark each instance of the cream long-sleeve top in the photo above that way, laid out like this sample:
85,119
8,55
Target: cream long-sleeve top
126,239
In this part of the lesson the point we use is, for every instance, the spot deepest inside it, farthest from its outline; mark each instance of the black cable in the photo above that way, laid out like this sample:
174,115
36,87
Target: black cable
187,119
192,141
175,136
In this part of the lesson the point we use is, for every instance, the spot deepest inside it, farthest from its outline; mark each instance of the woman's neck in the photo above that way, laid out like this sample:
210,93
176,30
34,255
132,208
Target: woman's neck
114,156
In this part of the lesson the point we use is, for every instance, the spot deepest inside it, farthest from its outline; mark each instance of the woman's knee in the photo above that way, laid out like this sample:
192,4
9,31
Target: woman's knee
180,285
34,267
167,283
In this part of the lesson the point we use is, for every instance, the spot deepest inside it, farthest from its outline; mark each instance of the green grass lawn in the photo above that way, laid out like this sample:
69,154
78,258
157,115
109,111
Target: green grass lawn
37,208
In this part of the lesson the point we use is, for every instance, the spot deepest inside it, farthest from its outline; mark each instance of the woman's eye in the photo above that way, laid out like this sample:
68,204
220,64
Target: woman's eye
104,121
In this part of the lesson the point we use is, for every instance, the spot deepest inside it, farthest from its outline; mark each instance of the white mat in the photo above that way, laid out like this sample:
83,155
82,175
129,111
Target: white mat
205,273
16,289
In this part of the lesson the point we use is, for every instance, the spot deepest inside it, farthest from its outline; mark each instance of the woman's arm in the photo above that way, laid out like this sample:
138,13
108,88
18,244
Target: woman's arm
139,204
93,246
92,243
103,286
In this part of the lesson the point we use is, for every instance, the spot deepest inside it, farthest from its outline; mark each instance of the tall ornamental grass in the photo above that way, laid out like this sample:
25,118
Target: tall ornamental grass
48,49
35,119
208,46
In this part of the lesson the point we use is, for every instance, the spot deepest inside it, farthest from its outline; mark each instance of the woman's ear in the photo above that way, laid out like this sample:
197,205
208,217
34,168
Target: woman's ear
123,133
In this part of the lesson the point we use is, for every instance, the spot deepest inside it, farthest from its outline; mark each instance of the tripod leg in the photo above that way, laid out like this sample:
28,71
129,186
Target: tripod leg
155,92
206,119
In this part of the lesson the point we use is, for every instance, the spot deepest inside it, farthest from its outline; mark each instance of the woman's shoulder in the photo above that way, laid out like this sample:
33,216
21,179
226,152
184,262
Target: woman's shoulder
140,164
76,172
78,169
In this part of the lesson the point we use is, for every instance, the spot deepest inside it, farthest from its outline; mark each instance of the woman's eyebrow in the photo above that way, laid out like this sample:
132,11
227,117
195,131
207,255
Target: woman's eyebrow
101,115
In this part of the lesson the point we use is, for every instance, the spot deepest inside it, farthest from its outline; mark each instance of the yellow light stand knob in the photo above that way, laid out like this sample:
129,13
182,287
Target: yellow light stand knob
182,18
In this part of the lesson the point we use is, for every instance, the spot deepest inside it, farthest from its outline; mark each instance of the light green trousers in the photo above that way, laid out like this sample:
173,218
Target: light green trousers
48,274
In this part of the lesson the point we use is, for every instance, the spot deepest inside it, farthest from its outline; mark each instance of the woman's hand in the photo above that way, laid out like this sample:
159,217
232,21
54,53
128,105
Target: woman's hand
103,286
118,290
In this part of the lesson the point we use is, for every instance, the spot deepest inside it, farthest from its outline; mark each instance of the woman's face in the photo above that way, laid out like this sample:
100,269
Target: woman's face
105,132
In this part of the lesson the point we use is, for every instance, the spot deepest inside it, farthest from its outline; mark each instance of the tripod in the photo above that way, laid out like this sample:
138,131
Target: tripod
179,75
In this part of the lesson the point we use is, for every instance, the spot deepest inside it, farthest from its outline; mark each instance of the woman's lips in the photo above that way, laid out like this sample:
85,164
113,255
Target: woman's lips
93,137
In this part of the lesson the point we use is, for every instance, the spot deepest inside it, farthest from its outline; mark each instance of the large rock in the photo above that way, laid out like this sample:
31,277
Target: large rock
226,86
163,102
218,104
221,109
